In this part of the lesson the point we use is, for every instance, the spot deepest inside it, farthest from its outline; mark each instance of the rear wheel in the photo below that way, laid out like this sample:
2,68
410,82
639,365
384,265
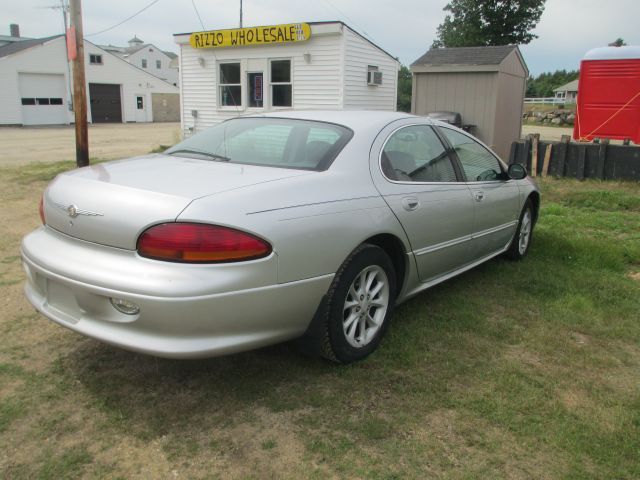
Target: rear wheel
359,305
522,239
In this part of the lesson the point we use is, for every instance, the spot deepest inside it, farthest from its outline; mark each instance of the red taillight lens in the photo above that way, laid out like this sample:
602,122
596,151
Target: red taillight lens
41,209
200,243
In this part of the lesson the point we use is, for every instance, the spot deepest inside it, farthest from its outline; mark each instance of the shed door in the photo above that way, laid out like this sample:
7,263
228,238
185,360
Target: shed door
43,99
105,103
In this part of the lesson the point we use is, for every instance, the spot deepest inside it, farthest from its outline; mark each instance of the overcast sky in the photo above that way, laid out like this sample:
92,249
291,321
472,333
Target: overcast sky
404,28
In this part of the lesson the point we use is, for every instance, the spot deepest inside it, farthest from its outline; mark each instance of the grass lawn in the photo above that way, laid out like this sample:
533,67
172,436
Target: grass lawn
513,370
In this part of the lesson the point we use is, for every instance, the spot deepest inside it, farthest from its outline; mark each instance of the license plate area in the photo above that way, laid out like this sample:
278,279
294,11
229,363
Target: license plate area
62,299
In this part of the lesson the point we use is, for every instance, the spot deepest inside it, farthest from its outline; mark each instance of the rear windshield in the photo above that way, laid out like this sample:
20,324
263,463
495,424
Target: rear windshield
274,142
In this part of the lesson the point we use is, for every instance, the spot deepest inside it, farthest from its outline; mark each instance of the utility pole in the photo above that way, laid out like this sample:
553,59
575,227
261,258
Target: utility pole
64,8
79,86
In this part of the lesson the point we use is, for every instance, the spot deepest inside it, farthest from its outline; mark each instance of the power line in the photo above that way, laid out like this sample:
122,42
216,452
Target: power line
351,21
198,14
123,21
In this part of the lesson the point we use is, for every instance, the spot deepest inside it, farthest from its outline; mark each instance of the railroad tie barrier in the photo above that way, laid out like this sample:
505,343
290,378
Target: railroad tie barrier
578,160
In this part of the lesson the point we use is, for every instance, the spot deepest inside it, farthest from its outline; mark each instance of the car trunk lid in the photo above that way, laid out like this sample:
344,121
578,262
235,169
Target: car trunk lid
113,203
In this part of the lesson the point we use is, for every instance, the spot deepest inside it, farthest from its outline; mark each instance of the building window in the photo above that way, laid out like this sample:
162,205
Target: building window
281,83
95,59
140,103
374,75
144,63
230,89
158,64
41,101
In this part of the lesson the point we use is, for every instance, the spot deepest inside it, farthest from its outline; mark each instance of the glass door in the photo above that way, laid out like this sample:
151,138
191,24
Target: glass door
256,89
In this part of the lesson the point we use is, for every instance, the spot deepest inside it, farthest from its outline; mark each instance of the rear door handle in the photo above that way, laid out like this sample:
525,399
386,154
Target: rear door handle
479,196
410,203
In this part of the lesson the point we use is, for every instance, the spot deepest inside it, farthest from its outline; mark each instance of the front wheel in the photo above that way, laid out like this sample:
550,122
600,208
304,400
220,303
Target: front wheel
359,305
522,239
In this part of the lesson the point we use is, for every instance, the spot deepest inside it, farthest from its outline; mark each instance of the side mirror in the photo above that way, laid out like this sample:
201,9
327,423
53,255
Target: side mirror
516,171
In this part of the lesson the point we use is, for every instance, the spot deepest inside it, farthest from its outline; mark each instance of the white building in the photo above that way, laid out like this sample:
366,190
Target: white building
148,57
319,65
36,86
567,92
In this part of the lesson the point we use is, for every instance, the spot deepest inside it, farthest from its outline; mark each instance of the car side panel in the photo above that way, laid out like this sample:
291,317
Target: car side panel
312,222
497,207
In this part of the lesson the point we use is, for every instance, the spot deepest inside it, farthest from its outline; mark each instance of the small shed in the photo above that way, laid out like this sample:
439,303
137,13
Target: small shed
315,65
484,84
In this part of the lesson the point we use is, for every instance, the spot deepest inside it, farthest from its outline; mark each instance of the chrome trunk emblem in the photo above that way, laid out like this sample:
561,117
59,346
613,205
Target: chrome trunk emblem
73,211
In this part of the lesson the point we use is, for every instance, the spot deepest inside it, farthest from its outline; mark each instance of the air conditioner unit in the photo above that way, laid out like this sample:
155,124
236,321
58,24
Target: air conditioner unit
374,78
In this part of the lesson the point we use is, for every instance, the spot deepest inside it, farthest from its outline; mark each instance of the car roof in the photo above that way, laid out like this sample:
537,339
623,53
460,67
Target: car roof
356,120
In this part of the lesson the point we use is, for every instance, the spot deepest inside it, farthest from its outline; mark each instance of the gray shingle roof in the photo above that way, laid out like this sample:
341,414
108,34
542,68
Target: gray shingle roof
16,47
465,55
568,87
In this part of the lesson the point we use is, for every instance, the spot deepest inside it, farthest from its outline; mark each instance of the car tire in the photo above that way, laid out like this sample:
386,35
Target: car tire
522,239
358,305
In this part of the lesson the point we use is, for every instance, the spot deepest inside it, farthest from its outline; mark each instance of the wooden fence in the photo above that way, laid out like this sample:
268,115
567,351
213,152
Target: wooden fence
579,160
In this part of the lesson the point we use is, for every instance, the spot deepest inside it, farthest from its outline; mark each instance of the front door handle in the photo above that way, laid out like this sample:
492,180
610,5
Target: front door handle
410,203
479,196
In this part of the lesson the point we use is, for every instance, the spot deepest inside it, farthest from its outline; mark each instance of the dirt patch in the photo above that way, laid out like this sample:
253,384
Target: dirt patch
520,354
580,338
19,146
634,276
460,441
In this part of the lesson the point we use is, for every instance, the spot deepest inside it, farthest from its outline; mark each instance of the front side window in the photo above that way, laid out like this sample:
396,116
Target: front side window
95,59
158,63
416,154
144,63
230,89
274,142
281,87
478,163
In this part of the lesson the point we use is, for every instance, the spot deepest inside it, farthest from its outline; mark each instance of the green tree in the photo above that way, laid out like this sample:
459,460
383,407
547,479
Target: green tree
543,84
619,42
473,23
404,89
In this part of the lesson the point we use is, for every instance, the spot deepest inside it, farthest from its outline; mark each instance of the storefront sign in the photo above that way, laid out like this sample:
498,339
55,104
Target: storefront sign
240,37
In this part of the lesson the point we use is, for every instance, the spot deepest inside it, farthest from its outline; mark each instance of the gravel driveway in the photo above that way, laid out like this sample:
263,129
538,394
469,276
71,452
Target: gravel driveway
22,145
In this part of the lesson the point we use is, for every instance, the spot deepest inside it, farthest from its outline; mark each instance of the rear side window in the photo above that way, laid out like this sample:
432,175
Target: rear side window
478,163
416,154
275,142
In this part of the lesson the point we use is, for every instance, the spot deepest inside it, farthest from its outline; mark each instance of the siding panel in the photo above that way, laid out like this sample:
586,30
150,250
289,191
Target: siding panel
359,54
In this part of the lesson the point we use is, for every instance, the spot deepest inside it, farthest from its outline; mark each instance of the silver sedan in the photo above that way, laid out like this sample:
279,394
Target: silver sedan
308,225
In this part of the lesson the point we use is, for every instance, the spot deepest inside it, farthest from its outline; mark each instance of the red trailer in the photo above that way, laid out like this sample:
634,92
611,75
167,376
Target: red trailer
608,104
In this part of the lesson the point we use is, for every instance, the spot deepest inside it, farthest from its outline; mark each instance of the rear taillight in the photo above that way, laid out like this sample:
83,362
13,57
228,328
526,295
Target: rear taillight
41,209
200,243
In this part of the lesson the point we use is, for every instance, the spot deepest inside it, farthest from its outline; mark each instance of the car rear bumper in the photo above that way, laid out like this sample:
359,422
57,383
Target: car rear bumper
186,311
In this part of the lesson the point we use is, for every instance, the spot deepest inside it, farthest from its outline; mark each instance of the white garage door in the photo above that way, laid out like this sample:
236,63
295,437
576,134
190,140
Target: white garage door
43,99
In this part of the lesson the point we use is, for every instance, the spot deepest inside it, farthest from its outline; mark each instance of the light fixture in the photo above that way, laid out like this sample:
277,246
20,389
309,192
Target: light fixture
125,306
201,61
307,57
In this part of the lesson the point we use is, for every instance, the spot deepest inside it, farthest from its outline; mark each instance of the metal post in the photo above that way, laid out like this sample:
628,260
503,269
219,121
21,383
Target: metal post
240,13
79,87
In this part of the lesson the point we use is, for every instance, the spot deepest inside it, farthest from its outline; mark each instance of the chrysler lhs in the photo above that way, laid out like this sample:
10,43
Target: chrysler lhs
262,229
